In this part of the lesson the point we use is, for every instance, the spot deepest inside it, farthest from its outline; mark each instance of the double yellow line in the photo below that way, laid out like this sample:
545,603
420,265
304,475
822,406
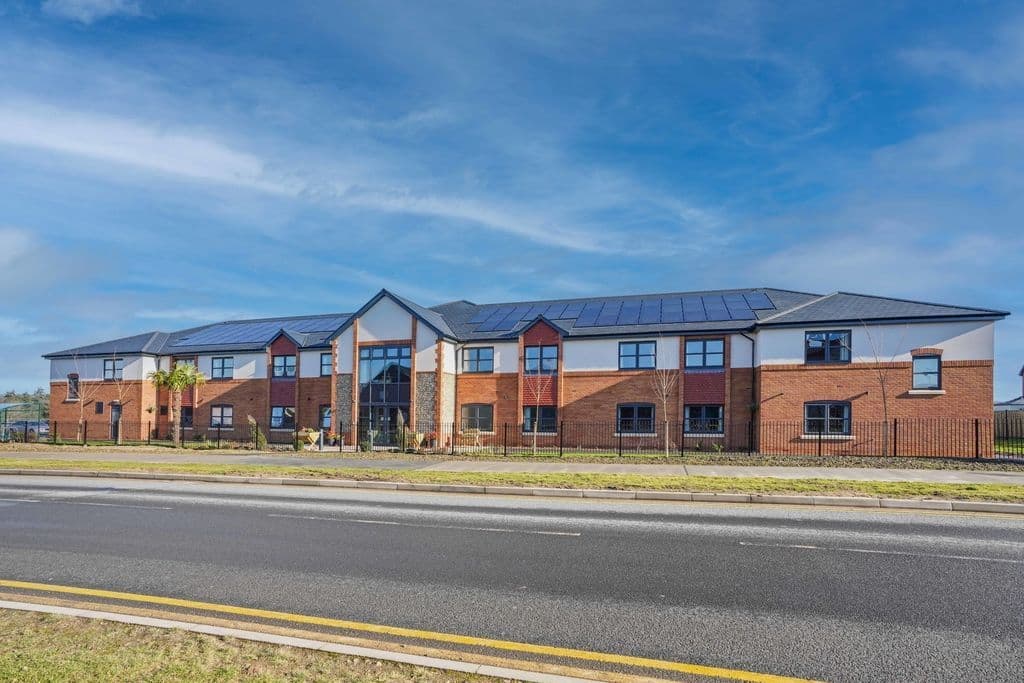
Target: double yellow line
472,641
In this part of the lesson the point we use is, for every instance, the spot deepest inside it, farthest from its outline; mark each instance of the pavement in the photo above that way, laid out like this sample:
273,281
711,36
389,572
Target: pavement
847,473
814,593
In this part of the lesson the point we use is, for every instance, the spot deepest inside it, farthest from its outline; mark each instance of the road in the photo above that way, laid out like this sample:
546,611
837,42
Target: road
825,594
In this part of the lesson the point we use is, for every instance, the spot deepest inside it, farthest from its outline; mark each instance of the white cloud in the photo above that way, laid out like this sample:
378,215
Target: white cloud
999,64
143,145
88,11
17,332
206,315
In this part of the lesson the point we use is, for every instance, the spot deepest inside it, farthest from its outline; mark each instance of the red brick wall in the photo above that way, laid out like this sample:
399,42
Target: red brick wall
245,396
313,392
704,387
133,396
593,396
498,389
282,389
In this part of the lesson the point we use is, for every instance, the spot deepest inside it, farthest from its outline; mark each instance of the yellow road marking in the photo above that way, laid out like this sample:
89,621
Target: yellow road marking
473,641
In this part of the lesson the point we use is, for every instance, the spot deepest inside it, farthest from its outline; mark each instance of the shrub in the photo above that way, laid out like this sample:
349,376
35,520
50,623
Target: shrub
256,435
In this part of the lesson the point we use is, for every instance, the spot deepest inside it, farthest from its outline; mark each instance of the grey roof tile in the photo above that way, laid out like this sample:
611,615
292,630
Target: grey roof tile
842,307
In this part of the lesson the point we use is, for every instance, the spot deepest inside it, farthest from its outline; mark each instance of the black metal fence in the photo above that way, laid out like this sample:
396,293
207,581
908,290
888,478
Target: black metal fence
1000,438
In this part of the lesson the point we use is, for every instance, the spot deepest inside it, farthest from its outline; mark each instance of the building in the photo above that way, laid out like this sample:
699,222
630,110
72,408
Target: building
1016,403
733,366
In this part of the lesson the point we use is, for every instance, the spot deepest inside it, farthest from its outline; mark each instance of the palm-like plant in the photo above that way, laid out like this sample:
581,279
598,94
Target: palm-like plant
176,381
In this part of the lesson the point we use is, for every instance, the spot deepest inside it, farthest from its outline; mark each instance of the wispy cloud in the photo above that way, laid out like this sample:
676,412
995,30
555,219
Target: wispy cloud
89,11
191,314
999,63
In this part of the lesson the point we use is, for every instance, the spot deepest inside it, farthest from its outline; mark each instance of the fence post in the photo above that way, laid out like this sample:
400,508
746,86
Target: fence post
895,435
85,432
620,440
218,436
750,437
819,438
682,438
505,440
453,438
53,431
149,433
977,438
25,425
561,434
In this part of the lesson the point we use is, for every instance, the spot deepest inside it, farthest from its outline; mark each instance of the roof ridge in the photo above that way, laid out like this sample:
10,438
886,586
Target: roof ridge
787,311
918,301
652,295
273,318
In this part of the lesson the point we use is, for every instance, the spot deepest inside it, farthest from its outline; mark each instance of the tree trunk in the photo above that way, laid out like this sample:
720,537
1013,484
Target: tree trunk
176,418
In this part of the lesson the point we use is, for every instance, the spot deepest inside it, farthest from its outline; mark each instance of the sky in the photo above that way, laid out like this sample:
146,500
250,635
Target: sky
168,164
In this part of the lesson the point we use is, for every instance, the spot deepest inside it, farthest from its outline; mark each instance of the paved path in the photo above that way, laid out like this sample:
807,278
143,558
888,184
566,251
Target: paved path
850,473
822,594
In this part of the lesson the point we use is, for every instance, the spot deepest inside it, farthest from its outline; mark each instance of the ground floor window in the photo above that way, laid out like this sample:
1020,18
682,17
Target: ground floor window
282,417
186,416
222,416
545,417
478,416
325,417
705,419
635,418
827,417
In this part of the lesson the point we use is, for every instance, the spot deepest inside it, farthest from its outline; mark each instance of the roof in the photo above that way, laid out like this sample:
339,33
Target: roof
719,310
847,307
311,331
1011,404
8,406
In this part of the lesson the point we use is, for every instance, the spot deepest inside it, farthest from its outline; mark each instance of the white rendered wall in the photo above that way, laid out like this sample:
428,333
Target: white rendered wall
603,354
958,341
385,321
739,351
309,362
135,368
426,349
345,352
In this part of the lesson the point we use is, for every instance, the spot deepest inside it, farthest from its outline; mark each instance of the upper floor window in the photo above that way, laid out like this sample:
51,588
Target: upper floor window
703,419
637,355
827,417
184,361
827,347
187,415
325,416
927,372
222,416
635,418
326,364
284,366
544,417
113,368
705,353
73,387
282,417
222,367
478,416
540,360
478,359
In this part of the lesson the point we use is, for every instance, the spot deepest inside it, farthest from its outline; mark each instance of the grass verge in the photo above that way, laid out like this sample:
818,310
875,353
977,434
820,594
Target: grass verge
768,485
46,647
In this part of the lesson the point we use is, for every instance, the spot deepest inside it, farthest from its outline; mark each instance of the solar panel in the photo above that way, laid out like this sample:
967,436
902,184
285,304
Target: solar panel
534,311
630,313
609,313
741,313
489,325
507,323
554,311
588,316
693,310
758,301
650,312
481,316
671,310
572,311
715,308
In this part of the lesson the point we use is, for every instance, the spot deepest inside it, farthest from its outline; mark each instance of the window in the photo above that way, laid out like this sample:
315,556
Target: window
636,418
637,355
326,364
827,417
325,416
113,368
546,417
223,368
827,347
72,387
284,366
99,407
385,376
705,353
540,360
184,361
186,416
163,410
480,359
703,419
222,416
478,416
282,417
927,372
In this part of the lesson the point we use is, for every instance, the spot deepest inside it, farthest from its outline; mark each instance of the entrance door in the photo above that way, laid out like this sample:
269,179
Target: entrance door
115,421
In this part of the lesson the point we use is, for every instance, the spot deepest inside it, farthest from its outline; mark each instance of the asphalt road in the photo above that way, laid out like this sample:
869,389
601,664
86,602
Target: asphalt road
825,594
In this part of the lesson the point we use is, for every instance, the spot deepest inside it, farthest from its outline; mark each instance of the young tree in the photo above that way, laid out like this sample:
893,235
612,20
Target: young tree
664,381
86,394
183,376
534,391
881,365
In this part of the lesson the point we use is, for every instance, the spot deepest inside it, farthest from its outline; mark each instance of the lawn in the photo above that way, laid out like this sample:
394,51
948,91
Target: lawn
750,485
44,647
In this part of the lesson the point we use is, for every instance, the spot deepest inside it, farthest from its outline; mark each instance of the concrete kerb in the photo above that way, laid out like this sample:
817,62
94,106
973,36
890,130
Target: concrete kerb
699,497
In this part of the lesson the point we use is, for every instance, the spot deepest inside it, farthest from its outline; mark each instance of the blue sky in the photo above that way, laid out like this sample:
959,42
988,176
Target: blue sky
164,164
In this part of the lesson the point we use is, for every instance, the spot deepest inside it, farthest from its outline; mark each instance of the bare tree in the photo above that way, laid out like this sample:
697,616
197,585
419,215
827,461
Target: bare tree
534,392
663,382
881,366
85,393
123,391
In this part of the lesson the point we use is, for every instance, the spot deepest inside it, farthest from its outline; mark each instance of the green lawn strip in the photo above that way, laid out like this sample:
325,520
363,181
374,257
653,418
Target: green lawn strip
43,647
992,492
